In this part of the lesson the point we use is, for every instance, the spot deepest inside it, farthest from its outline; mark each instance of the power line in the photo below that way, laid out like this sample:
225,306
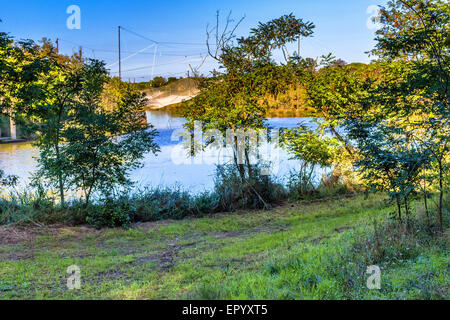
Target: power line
161,64
132,52
163,42
131,56
139,35
188,57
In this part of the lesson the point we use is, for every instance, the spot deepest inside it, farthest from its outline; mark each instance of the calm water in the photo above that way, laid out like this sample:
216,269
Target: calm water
168,168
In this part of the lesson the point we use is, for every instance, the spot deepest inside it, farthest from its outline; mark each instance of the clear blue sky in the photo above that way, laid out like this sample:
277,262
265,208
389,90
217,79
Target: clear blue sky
340,28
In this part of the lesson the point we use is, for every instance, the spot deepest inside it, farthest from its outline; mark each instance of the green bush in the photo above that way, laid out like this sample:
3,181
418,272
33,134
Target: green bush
166,203
110,213
257,192
27,207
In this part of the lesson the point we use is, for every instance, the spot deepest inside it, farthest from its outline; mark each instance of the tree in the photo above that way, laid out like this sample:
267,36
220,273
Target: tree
387,161
334,91
311,150
58,90
230,100
158,82
20,63
418,30
415,38
102,145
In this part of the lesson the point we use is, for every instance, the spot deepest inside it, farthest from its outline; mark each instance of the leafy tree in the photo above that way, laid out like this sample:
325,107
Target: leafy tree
231,99
20,63
335,91
311,149
171,79
101,146
418,30
158,82
414,47
58,90
387,161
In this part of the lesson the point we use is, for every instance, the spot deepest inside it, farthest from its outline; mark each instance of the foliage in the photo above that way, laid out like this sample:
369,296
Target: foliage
158,82
47,113
231,99
312,150
110,213
257,192
20,63
100,146
403,119
387,161
335,91
7,180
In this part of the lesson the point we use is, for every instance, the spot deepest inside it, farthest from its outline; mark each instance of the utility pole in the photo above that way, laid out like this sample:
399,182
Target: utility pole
120,62
298,56
57,45
81,53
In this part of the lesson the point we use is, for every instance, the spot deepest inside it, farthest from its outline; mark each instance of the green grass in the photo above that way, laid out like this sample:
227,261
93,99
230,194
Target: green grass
297,251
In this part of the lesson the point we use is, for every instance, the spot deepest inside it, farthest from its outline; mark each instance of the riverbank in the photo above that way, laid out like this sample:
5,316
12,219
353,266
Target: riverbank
304,250
8,140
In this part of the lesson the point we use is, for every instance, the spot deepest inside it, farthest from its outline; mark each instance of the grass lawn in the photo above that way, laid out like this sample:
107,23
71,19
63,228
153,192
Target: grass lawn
296,251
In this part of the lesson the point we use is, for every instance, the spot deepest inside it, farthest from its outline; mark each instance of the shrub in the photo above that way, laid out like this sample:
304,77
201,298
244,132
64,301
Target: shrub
300,185
27,207
258,192
160,204
333,184
110,213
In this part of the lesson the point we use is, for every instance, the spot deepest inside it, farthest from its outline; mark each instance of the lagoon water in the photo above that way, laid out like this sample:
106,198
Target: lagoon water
171,167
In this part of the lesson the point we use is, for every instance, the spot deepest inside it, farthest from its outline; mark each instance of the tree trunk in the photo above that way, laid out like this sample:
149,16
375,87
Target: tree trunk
407,211
425,200
12,127
441,195
88,197
249,167
238,160
399,208
61,189
339,137
60,177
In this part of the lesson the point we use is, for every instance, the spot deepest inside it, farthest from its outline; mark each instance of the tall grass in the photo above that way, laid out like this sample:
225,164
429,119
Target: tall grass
257,192
152,204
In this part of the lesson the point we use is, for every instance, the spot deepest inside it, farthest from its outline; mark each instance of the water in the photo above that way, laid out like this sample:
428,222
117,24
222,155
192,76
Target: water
171,167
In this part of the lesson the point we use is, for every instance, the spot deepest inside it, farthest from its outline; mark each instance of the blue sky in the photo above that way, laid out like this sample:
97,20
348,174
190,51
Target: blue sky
341,28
